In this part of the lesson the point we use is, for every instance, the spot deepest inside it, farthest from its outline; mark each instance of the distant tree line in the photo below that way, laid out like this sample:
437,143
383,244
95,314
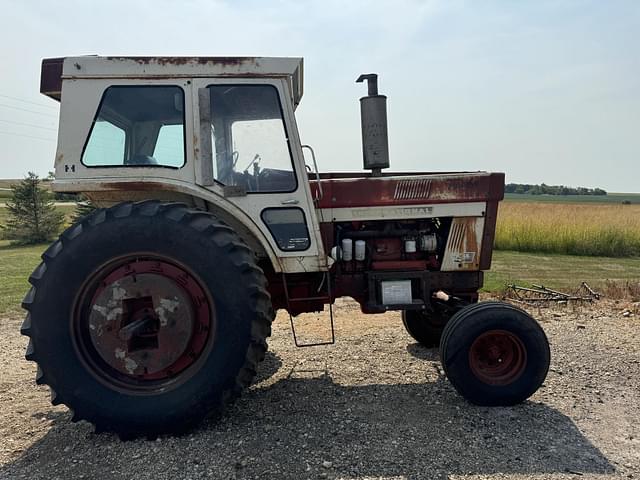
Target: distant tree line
544,189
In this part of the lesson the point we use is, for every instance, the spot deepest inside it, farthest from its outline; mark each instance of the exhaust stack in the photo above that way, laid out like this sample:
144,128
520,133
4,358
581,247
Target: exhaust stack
373,117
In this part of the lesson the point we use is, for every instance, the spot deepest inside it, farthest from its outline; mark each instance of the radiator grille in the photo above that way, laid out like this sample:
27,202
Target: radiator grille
411,189
457,236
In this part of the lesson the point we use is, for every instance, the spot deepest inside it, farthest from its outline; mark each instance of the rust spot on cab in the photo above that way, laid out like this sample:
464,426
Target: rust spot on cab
228,61
136,186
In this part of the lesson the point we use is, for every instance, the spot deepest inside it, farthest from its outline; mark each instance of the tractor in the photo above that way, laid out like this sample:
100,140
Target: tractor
153,311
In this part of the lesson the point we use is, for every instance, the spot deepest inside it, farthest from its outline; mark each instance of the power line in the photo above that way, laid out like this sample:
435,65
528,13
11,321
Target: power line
30,111
28,101
28,125
27,136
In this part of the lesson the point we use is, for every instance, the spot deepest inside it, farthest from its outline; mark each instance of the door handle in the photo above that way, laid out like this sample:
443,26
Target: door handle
290,201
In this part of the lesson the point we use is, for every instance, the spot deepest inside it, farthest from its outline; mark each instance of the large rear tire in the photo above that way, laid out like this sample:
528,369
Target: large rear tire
494,354
145,317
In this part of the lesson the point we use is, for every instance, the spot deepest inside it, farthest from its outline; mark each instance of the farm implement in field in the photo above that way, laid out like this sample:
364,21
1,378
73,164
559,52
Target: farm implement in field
539,294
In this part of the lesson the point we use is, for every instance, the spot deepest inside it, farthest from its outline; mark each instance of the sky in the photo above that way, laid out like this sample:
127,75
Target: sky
545,91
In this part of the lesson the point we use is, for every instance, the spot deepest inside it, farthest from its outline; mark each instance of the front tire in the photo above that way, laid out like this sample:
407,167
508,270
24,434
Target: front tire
425,328
145,317
494,354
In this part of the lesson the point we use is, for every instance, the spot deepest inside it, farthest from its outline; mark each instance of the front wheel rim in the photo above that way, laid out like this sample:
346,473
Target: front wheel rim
142,323
497,357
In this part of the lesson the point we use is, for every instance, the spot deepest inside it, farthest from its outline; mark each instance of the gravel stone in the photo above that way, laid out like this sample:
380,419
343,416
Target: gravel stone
375,405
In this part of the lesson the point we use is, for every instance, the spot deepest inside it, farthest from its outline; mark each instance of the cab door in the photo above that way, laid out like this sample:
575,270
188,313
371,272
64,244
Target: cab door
254,160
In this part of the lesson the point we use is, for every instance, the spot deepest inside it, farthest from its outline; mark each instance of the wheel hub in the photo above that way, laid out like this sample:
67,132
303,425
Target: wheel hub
148,321
497,357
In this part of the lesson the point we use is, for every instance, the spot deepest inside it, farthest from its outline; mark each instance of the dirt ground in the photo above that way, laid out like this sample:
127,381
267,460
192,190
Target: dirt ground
374,405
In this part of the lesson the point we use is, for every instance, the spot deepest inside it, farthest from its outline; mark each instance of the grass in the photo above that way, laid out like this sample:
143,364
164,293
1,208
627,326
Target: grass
16,263
609,230
609,198
564,272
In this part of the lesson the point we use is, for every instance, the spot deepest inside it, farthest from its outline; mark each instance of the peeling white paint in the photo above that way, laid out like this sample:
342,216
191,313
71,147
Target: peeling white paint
114,313
109,313
130,365
100,309
166,305
118,293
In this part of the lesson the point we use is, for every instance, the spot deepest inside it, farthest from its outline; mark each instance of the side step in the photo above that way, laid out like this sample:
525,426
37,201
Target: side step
323,298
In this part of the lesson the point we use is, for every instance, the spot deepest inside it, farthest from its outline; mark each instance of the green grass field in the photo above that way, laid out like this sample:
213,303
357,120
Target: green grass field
609,198
16,263
560,271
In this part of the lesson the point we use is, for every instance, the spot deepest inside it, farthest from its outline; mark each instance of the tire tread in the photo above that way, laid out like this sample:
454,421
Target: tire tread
242,257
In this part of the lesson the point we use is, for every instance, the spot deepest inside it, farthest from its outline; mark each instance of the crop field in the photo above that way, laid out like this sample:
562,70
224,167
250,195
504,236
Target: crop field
608,230
633,198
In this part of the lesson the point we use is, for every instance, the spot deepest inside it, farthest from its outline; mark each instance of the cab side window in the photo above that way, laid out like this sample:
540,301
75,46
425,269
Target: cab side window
138,126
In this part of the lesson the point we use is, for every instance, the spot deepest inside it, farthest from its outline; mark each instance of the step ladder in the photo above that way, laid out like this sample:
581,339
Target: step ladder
324,298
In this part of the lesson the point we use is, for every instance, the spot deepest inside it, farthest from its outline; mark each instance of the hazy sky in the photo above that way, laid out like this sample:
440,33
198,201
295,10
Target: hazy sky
546,91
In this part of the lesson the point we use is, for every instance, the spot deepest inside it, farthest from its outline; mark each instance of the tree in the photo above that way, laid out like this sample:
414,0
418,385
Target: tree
33,217
84,206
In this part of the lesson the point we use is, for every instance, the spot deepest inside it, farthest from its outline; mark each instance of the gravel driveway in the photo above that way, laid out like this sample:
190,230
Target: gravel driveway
375,405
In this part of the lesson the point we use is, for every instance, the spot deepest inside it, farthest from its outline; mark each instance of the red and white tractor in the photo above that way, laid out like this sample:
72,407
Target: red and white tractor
154,310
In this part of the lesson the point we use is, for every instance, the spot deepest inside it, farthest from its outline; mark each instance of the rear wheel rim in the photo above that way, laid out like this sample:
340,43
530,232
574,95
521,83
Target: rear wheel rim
497,357
143,323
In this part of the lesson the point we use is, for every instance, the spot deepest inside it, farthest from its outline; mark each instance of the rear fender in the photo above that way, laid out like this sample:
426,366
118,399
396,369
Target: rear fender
108,192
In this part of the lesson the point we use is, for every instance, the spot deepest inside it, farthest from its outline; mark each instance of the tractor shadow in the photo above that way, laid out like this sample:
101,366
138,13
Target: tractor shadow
423,353
267,368
289,424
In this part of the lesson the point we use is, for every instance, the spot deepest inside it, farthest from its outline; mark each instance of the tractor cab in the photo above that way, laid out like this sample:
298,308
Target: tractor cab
215,132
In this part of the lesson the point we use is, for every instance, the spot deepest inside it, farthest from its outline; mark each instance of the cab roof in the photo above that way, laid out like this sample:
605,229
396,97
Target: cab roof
54,70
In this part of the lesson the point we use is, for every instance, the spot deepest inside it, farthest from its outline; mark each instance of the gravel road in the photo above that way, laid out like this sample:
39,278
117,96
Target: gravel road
375,405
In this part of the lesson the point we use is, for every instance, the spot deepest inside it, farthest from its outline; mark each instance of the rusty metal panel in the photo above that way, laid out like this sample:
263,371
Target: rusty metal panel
462,252
51,77
187,67
411,190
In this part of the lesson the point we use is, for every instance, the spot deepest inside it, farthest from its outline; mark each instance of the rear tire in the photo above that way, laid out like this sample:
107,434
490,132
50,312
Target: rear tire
180,309
494,354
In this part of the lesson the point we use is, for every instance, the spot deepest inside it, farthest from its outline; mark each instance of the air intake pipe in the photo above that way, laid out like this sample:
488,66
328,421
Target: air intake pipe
373,116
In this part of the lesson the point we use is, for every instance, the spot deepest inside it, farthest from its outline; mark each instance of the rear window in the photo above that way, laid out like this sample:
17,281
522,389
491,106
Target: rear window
138,126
